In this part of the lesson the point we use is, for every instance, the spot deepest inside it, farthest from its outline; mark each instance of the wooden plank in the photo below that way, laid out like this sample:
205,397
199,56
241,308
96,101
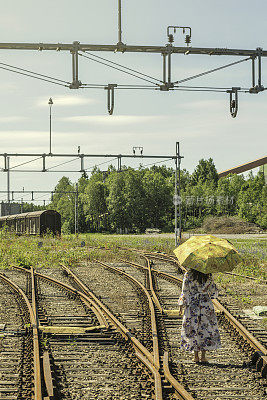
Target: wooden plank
70,330
48,375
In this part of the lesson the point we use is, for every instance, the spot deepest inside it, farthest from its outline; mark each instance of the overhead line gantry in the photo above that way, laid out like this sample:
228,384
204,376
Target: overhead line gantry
84,50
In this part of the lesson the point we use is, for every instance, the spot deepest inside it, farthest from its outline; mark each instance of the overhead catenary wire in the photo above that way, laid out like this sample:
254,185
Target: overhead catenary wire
26,162
207,90
118,69
208,87
65,162
157,162
97,165
32,76
127,68
32,72
211,71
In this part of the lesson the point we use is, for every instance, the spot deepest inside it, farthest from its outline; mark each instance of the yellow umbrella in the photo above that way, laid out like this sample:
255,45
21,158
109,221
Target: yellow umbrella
208,254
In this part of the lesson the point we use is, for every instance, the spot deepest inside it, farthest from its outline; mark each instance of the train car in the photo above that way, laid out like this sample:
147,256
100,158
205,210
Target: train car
33,223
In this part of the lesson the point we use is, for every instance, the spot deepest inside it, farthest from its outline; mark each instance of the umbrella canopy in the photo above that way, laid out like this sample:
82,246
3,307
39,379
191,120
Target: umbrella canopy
208,254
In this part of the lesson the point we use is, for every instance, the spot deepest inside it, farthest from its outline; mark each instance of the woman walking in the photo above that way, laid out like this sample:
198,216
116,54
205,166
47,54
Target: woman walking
199,327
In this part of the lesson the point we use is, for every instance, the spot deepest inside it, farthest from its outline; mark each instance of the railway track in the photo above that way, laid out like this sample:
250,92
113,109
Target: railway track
245,339
128,333
246,384
20,374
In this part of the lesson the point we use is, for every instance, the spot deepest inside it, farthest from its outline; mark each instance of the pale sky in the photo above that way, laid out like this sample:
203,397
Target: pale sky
201,122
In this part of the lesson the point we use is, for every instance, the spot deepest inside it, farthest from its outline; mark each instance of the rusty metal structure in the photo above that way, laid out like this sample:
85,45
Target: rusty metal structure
244,167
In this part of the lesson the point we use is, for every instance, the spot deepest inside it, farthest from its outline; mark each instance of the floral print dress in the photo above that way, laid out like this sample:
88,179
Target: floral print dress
199,326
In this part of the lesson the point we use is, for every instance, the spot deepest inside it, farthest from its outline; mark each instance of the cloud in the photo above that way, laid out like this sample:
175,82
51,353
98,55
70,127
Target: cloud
12,119
62,101
114,119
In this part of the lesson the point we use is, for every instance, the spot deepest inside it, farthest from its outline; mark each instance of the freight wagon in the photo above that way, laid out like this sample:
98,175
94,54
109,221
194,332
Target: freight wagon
33,223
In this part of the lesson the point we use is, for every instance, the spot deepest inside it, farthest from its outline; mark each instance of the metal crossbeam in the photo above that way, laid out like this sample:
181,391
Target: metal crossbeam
84,155
123,48
42,157
85,50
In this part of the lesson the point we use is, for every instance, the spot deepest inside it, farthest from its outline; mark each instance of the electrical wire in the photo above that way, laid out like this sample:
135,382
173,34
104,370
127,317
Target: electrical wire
105,162
212,70
118,69
32,72
208,90
157,162
32,76
119,65
199,90
26,162
66,162
208,87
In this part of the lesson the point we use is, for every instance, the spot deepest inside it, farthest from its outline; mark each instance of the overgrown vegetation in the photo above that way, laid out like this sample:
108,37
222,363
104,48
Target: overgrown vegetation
70,249
133,200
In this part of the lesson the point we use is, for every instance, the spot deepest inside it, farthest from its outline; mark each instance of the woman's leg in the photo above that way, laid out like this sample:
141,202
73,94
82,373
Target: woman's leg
196,359
203,356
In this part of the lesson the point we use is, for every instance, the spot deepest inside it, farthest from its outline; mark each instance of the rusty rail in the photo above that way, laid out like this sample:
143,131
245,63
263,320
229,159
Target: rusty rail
150,360
151,309
36,350
179,389
151,287
234,322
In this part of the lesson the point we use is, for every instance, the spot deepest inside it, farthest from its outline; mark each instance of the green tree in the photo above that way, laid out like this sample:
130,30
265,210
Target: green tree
64,203
252,200
94,202
158,192
116,201
205,171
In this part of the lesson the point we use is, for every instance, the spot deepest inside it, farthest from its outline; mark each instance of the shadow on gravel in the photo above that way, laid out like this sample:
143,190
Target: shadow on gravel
219,365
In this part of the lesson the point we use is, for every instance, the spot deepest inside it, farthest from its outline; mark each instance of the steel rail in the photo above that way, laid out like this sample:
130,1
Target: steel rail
154,331
141,352
234,322
119,47
180,390
169,258
96,304
36,350
47,373
151,287
238,326
182,393
165,258
95,308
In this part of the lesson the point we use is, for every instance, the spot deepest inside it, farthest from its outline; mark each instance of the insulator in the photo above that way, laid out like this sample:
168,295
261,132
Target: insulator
171,38
187,39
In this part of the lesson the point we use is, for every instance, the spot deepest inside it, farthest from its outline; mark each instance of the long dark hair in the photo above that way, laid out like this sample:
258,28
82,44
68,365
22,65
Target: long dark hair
199,276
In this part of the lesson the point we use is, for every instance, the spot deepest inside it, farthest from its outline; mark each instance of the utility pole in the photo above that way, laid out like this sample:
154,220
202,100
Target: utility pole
177,196
76,231
8,186
50,102
119,23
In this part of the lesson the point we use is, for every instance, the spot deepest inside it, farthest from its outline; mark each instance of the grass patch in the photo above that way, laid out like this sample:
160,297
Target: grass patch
50,251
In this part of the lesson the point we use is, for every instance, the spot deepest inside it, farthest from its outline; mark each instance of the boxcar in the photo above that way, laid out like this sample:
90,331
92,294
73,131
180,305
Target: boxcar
33,223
